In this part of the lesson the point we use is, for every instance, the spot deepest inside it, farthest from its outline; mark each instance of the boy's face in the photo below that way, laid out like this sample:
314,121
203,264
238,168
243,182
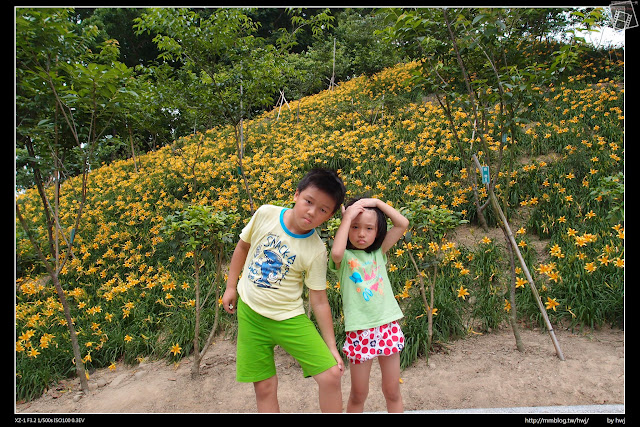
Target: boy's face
312,207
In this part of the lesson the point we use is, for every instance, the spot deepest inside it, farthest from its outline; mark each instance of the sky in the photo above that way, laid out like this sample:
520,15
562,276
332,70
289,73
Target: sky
608,37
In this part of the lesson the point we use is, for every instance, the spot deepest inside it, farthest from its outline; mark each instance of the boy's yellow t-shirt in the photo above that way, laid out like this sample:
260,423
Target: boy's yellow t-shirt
278,263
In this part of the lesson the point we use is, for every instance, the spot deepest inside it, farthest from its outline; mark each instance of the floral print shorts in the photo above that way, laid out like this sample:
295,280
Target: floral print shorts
366,344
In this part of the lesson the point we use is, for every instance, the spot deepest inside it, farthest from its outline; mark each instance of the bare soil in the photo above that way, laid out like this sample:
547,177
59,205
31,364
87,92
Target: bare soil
481,371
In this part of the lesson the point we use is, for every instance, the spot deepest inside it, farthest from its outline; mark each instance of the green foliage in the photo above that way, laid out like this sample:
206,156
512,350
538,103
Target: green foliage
66,94
489,287
610,190
429,226
198,228
233,72
430,223
203,233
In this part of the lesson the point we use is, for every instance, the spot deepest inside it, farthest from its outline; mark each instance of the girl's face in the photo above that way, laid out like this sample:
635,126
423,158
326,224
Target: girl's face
364,229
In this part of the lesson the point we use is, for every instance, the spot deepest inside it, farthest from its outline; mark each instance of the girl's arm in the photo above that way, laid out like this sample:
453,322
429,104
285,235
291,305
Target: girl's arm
400,223
342,235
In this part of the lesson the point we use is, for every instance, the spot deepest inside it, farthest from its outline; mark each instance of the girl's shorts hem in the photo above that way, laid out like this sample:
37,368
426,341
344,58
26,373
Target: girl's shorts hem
258,336
365,344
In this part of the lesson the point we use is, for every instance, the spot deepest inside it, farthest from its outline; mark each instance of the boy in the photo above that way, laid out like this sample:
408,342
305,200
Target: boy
277,248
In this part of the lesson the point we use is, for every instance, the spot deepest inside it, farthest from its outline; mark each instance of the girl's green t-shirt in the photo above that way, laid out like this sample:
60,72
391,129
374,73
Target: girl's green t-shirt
367,296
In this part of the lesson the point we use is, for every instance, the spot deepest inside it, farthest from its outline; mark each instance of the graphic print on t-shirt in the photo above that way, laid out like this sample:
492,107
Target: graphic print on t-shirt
270,263
367,281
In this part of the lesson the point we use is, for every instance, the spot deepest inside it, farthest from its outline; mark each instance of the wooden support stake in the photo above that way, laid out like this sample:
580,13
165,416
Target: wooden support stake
498,209
282,100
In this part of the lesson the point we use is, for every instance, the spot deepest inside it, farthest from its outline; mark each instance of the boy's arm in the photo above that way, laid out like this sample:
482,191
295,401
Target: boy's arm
230,297
400,223
322,311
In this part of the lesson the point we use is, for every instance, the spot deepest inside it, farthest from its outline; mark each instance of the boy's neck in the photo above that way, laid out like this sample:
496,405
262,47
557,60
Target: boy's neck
290,224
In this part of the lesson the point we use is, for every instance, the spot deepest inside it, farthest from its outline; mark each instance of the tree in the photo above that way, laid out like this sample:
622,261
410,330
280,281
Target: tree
67,97
202,234
429,227
235,73
117,23
473,79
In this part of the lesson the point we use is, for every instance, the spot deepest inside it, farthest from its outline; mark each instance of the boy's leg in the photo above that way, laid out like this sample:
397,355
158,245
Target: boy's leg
254,349
267,394
330,389
299,337
390,368
254,357
359,385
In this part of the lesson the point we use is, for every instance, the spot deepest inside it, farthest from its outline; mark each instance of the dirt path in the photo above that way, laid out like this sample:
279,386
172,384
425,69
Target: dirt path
478,372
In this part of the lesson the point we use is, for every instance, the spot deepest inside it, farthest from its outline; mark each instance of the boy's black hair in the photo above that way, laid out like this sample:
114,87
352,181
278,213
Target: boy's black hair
325,180
381,226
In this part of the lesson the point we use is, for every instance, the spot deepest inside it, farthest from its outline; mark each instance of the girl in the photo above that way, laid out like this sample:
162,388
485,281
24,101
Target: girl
371,312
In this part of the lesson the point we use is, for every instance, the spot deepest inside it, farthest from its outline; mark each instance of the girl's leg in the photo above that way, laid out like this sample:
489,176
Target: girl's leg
267,394
359,385
390,368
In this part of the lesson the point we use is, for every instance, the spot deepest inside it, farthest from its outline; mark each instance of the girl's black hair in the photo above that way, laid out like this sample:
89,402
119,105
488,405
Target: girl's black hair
381,226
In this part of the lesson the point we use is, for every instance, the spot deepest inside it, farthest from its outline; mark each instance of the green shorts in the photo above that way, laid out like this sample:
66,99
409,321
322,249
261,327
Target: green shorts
258,336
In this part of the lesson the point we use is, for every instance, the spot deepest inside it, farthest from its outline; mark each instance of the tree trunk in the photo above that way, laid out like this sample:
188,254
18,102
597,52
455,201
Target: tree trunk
216,305
72,333
513,317
240,149
195,369
214,327
430,308
133,151
427,307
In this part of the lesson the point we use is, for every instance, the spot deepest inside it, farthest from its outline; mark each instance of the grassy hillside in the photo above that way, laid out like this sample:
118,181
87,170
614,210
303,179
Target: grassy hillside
132,293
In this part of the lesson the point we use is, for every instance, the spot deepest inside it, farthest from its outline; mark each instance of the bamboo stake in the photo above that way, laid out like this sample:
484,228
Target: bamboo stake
498,209
333,73
281,101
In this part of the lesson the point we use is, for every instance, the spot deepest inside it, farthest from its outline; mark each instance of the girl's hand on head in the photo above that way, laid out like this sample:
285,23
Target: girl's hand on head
353,211
368,203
